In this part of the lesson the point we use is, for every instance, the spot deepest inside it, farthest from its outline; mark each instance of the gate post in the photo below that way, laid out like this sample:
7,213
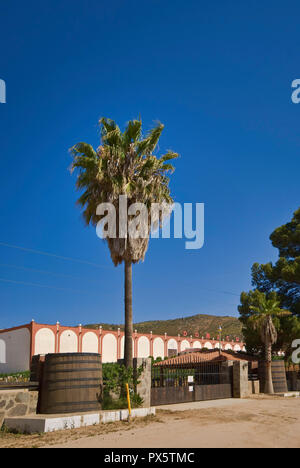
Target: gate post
240,379
144,387
226,372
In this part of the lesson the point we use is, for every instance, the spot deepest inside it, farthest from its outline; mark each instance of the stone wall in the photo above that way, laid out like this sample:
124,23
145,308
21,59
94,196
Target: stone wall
240,379
254,387
17,403
144,387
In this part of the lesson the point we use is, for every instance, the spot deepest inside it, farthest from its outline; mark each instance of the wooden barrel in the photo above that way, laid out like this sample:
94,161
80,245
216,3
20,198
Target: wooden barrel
37,367
278,376
72,383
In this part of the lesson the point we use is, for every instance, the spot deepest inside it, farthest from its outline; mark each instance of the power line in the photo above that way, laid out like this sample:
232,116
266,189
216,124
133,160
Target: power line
71,259
220,292
4,280
60,257
44,272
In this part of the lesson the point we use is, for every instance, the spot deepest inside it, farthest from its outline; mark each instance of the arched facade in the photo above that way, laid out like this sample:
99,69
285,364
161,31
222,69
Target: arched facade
143,347
184,345
90,343
68,342
208,345
158,348
109,348
44,341
172,345
197,344
19,344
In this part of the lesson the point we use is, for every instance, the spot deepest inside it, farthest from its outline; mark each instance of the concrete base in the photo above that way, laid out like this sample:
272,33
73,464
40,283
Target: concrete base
289,394
40,423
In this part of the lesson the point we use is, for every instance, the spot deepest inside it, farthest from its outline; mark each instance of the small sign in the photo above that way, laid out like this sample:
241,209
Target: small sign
191,388
190,379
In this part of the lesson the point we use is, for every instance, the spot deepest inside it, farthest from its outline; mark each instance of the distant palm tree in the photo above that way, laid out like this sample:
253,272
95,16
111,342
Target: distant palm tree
265,312
124,164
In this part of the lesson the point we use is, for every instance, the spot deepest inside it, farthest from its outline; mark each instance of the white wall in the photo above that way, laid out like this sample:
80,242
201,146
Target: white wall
185,345
197,344
14,351
109,348
90,343
44,341
208,345
143,348
68,342
172,344
158,348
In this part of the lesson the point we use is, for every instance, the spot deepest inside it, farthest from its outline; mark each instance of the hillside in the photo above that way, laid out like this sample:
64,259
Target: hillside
197,323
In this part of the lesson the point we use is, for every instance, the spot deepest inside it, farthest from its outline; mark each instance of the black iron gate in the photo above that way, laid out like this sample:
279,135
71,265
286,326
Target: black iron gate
190,382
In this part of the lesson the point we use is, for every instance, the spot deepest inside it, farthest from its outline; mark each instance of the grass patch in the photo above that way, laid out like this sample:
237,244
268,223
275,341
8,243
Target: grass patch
15,377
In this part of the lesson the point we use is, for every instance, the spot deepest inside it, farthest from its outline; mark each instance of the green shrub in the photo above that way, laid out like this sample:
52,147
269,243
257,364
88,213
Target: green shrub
15,377
115,377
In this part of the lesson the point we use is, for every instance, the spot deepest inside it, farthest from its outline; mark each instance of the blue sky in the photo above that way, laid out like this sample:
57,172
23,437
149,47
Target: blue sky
217,74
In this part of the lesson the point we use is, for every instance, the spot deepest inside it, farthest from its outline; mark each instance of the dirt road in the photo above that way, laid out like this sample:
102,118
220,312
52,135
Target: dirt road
258,422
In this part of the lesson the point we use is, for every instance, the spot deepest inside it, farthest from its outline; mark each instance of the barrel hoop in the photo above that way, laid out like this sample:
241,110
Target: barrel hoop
71,387
85,369
74,380
62,363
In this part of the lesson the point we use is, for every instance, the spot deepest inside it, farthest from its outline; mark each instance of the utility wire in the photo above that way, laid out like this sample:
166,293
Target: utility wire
44,272
71,259
40,252
4,280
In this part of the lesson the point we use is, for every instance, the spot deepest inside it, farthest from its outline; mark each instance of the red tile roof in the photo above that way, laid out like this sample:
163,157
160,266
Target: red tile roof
205,356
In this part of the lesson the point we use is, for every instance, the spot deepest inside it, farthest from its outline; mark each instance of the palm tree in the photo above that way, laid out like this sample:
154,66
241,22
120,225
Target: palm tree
267,310
124,164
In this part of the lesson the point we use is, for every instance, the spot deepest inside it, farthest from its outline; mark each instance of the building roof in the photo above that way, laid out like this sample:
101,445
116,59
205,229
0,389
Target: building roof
205,356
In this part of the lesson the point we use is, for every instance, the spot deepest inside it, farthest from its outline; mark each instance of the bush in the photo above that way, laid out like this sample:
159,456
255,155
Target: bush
15,377
115,377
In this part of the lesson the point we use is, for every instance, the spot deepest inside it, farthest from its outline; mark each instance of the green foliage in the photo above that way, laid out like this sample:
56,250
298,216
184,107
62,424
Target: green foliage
115,376
124,163
154,361
284,275
280,281
15,377
254,308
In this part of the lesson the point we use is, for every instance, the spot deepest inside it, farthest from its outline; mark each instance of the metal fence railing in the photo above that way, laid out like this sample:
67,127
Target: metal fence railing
181,375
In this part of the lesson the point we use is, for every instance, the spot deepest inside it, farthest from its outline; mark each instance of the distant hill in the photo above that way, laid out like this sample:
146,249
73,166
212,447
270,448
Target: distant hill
197,323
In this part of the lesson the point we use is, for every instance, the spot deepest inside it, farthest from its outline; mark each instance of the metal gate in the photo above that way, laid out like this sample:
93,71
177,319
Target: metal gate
183,383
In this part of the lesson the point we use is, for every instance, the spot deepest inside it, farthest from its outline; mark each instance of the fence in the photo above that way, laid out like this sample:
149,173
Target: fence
190,382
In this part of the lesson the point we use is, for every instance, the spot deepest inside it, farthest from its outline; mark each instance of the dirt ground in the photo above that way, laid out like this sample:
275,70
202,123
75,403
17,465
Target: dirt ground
258,422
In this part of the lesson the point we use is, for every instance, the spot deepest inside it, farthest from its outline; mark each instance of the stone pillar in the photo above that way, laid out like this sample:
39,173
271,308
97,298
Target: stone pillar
240,379
144,387
294,383
226,372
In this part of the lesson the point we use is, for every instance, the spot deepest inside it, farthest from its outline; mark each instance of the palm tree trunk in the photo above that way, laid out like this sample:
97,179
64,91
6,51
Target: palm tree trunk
268,377
128,355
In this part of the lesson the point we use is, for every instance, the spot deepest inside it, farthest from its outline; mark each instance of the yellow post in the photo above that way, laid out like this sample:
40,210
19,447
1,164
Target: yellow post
128,401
